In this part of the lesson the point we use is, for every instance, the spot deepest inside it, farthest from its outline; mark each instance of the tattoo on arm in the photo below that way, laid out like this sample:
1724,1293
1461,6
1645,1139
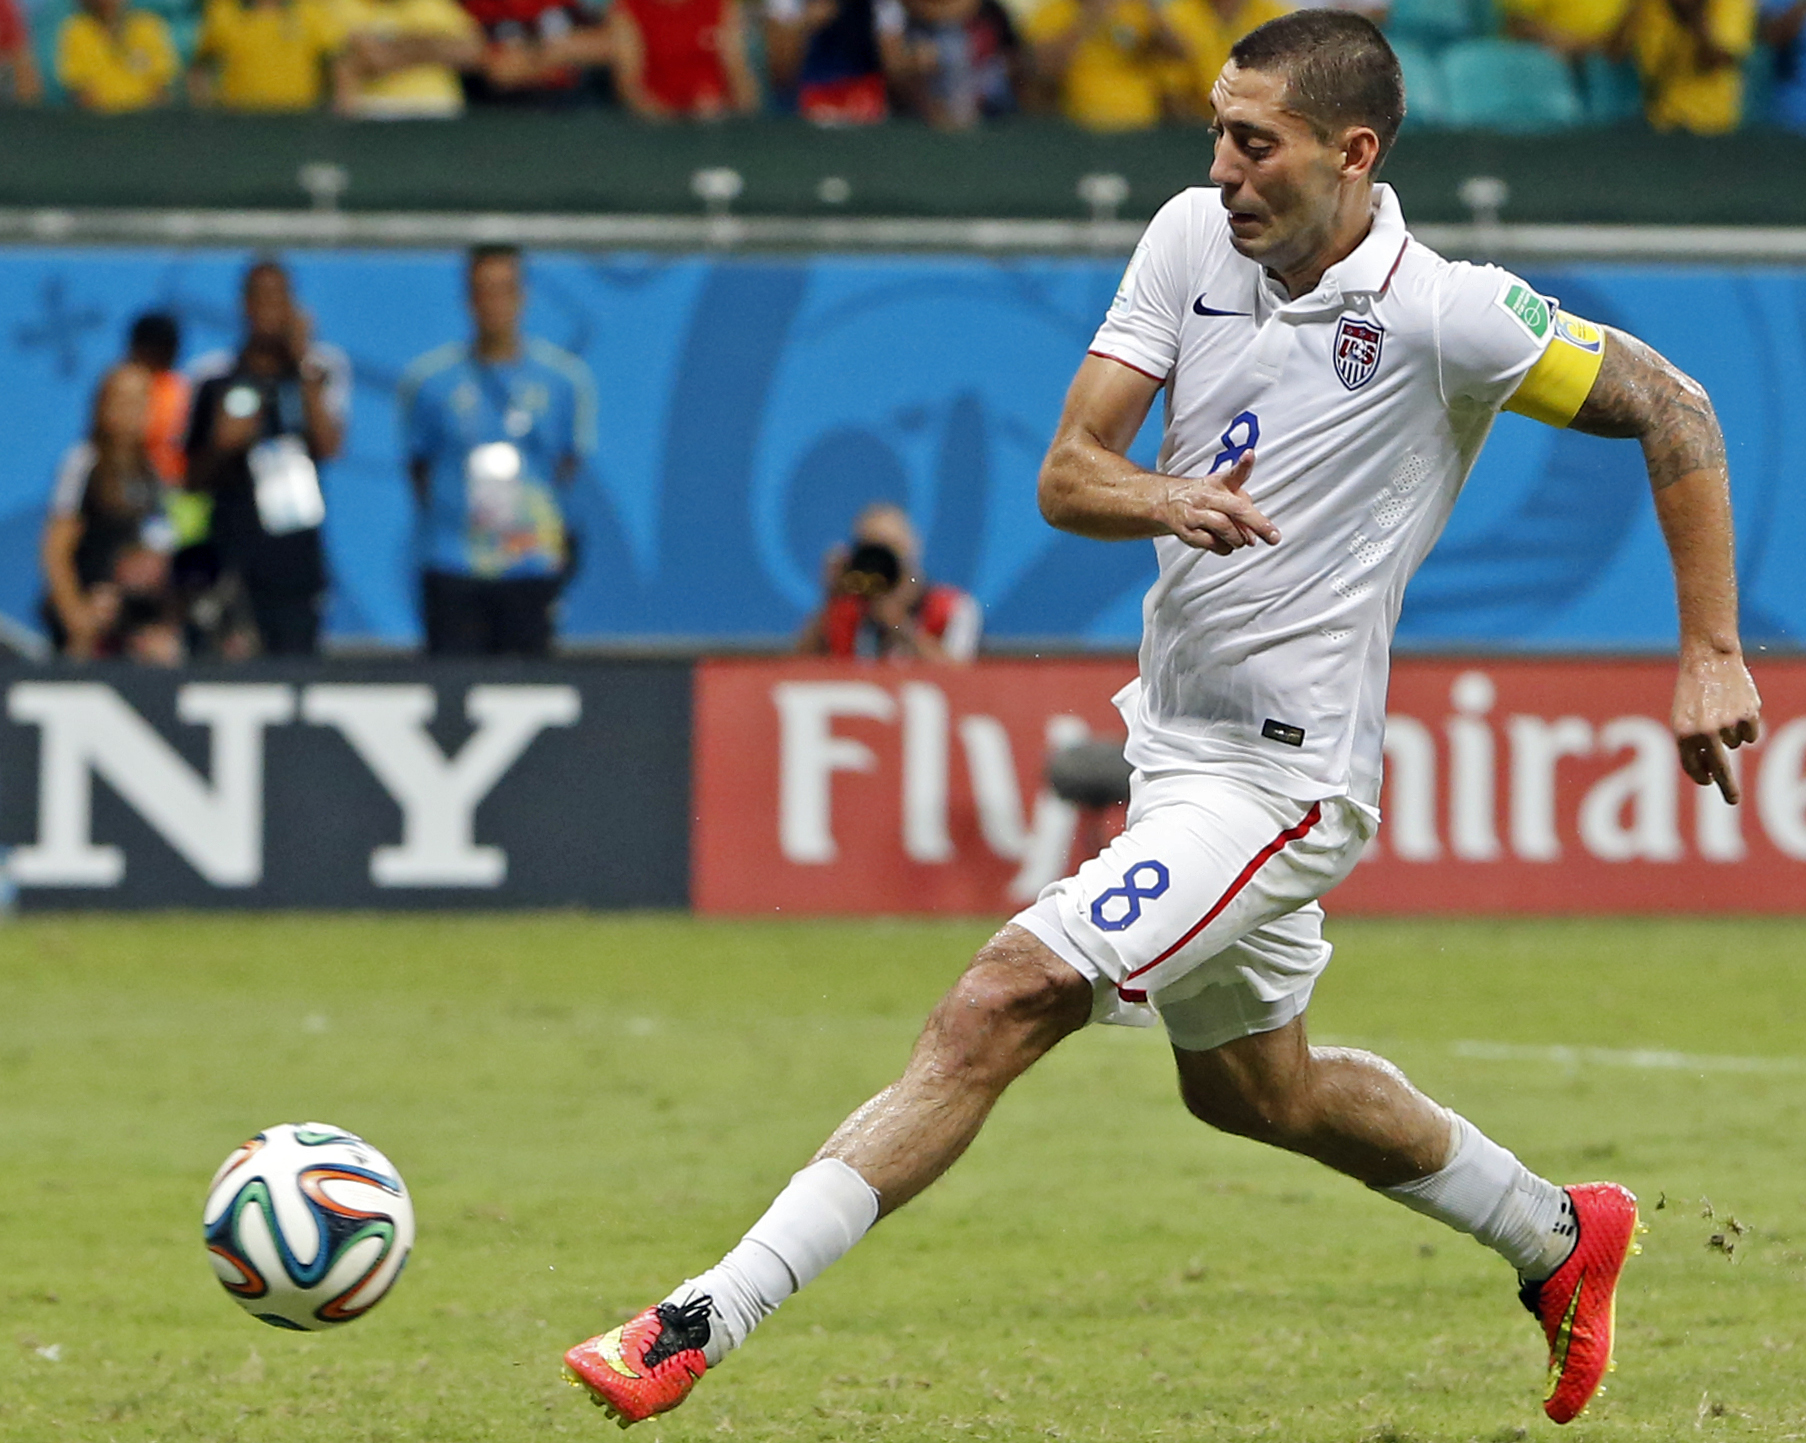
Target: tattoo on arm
1639,393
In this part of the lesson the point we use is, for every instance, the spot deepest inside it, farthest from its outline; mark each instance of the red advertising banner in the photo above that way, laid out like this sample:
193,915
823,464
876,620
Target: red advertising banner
1513,786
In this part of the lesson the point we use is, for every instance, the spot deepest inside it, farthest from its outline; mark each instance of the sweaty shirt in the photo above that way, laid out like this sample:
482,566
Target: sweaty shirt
1366,403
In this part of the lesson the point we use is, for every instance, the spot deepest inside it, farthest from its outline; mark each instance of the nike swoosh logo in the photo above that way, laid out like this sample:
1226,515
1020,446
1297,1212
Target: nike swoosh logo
1199,308
1564,1338
610,1349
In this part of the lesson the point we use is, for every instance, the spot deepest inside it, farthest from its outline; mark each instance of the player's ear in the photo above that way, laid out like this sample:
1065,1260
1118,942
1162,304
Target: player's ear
1360,151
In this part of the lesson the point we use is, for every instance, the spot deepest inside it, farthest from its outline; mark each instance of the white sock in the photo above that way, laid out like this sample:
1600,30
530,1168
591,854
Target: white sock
814,1221
1485,1191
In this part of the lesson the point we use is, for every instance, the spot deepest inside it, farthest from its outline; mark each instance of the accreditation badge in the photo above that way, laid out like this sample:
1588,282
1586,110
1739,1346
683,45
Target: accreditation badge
285,485
492,485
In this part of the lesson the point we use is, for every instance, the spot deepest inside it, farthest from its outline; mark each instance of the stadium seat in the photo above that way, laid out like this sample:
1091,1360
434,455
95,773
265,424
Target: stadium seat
1612,92
1508,85
1425,104
1432,23
1759,86
46,21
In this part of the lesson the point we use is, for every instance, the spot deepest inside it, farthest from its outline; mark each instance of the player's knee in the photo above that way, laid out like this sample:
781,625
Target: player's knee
1015,1000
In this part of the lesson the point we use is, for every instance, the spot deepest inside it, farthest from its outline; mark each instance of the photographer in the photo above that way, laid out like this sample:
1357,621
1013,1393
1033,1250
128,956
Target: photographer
263,421
879,605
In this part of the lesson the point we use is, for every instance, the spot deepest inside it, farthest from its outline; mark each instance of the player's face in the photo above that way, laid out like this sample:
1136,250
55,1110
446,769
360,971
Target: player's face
1281,183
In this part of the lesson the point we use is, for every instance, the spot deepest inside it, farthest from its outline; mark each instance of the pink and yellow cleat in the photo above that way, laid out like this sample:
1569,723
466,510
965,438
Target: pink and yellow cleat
648,1365
1577,1305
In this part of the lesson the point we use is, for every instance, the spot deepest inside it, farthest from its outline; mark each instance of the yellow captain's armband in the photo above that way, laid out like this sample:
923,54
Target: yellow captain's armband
1558,384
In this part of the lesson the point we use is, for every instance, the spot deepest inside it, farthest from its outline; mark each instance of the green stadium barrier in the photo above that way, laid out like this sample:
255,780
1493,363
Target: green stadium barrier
601,162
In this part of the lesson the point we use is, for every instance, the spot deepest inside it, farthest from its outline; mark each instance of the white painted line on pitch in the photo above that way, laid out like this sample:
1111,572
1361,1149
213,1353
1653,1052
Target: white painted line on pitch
1645,1058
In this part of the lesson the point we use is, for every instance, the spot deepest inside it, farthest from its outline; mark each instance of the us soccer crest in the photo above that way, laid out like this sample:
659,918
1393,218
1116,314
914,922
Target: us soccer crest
1358,345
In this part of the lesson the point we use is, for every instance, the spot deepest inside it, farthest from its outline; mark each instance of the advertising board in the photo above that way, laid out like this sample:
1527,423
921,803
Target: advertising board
398,785
1513,786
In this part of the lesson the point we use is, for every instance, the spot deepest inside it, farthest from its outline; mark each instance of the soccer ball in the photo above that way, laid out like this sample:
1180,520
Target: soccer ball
307,1225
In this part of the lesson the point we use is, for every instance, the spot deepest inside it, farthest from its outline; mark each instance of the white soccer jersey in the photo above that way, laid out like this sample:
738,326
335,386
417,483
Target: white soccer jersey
1365,402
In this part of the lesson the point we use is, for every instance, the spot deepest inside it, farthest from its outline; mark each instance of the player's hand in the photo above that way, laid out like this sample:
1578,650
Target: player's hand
1212,514
1716,706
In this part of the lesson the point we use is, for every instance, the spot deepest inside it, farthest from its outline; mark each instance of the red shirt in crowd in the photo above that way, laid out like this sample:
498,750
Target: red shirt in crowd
13,34
949,615
681,43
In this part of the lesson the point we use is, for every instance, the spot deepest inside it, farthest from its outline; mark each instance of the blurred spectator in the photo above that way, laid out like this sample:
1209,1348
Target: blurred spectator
264,55
154,343
1115,64
823,57
539,52
1690,54
494,429
106,546
1571,28
112,58
401,59
682,58
1782,24
878,605
1209,29
18,65
955,61
263,421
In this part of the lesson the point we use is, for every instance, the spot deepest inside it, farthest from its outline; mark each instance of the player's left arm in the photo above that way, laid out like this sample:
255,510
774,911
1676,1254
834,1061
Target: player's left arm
1639,394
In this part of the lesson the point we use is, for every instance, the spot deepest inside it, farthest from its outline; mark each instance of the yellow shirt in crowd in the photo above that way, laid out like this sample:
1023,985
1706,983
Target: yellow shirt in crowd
1114,79
420,89
270,54
1681,93
1118,78
129,70
1586,22
1210,34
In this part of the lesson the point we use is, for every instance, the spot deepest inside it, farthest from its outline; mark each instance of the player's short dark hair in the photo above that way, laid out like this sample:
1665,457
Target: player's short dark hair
1339,71
490,251
155,338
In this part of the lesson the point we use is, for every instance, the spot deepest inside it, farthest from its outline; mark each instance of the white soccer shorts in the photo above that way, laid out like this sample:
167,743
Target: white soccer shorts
1204,912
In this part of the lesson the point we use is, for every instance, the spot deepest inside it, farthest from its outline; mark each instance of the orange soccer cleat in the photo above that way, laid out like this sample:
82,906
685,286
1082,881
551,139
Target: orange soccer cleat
1577,1304
647,1365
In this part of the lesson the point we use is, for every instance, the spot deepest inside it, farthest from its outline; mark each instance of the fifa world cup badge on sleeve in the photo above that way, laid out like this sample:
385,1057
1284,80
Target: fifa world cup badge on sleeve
1125,290
1527,308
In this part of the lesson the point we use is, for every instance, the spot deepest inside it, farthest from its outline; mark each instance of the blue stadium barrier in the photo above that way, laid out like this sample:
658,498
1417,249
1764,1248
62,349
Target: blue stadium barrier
750,407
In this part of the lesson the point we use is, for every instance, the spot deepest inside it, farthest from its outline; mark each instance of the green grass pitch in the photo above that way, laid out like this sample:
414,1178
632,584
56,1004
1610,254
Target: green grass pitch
588,1108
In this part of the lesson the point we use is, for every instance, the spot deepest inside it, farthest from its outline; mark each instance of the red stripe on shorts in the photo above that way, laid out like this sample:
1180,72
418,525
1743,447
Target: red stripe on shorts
1278,844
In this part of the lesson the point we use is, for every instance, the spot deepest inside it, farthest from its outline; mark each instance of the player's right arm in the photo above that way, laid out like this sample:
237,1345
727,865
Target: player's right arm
1090,487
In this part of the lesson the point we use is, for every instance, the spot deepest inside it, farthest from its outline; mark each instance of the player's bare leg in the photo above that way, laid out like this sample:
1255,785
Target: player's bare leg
1348,1109
1012,1004
1358,1113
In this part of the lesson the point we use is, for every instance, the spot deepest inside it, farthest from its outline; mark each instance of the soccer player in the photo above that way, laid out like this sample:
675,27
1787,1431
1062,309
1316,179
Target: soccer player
1286,314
